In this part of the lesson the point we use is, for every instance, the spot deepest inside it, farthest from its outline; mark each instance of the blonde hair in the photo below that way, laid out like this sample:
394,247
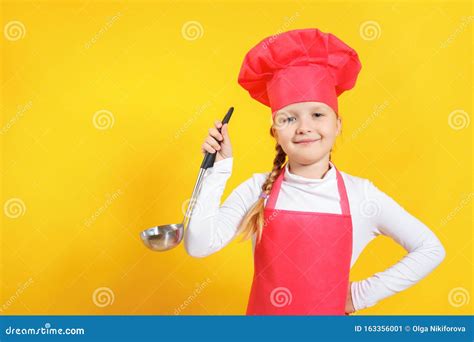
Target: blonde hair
253,222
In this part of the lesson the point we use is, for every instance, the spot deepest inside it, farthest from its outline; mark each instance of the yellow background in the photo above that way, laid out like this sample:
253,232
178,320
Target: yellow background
86,192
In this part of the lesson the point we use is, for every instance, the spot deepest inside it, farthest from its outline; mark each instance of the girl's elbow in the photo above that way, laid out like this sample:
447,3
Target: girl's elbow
194,252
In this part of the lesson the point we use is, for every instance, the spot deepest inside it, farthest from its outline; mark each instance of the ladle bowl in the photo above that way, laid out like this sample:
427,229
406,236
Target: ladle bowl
166,237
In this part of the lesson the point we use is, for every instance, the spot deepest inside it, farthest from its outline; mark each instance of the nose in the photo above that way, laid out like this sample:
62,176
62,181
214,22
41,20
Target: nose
304,126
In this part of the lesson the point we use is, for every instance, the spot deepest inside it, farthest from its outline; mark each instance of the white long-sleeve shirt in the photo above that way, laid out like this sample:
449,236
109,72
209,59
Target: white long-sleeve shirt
213,226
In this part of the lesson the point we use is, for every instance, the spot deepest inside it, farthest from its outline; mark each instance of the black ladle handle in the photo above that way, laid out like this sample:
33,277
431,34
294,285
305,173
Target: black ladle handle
209,158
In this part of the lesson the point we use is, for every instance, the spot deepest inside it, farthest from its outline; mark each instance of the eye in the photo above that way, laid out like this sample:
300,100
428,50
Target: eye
318,114
285,118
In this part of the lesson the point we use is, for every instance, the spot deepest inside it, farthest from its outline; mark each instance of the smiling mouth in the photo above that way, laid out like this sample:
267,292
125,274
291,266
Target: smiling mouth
307,142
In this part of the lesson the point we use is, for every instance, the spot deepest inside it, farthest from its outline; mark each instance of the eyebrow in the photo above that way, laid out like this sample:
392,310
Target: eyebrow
313,108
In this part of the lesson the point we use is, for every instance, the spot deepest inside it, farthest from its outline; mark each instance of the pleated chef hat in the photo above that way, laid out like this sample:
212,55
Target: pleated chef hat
299,66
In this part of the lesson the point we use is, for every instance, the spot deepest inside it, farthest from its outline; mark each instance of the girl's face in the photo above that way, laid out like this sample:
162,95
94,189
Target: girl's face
306,131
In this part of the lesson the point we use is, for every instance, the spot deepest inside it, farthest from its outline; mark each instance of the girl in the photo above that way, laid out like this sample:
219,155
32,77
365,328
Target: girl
308,221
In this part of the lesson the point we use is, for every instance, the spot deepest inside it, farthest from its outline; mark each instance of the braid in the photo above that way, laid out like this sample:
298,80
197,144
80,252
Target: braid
277,166
253,222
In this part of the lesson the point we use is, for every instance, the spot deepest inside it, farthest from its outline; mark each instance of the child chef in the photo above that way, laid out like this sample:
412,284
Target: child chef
308,221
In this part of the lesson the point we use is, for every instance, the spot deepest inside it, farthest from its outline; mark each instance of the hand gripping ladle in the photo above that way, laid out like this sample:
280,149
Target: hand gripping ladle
166,237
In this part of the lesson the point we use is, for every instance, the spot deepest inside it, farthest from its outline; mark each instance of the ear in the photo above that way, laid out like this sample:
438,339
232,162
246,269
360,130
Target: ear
338,126
273,132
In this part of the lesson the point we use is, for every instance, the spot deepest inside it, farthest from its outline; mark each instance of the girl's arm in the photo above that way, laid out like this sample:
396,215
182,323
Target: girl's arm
425,251
213,226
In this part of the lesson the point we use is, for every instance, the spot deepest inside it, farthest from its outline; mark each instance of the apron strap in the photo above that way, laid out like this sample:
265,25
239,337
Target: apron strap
275,190
344,201
341,187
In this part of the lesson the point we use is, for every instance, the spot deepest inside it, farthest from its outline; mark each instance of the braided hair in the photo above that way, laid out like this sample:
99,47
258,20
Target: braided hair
253,222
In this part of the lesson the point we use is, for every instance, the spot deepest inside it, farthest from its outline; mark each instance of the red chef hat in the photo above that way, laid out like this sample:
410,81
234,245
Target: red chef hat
299,66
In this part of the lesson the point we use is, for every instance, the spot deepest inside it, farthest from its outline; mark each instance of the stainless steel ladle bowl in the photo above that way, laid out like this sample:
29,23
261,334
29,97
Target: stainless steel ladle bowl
166,237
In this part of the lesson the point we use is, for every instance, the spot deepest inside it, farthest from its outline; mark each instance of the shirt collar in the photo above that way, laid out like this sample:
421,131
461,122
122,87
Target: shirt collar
290,177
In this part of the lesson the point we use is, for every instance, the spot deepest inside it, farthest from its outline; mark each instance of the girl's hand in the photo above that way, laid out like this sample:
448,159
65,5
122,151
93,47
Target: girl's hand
219,142
349,304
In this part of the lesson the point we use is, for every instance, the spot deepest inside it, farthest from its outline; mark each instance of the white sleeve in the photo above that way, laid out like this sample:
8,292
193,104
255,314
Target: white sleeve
212,226
425,251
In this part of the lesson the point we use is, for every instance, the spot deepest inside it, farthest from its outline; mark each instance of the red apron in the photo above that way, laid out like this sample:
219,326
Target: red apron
302,263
